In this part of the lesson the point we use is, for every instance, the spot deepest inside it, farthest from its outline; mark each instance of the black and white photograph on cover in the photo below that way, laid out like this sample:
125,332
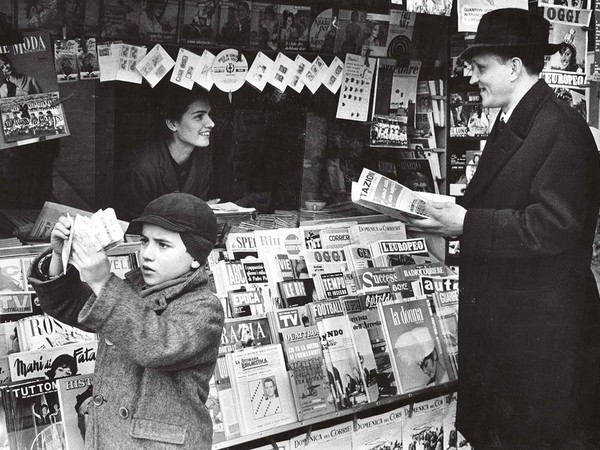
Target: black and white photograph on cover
31,72
153,20
11,274
581,4
264,397
418,347
572,52
38,14
436,7
15,82
199,21
350,30
472,157
88,59
268,28
81,407
377,34
234,23
575,98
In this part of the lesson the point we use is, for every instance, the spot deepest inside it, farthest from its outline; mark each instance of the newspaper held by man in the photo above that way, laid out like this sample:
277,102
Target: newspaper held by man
389,197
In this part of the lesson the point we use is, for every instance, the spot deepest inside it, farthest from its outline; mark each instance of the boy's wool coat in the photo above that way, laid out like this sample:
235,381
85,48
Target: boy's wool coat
156,354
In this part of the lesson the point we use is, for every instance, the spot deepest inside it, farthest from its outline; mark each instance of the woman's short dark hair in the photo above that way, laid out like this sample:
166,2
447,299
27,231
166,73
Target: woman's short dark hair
62,361
173,101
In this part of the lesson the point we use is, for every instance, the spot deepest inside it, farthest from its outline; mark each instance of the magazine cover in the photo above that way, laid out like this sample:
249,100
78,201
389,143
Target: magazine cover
42,331
30,106
264,26
333,437
348,374
422,425
452,437
568,26
88,60
65,59
325,260
244,303
78,17
234,23
261,388
381,431
308,374
245,332
15,297
294,27
52,362
416,174
198,22
367,233
375,36
241,244
323,30
33,415
149,20
32,118
226,403
351,25
444,294
390,253
368,321
416,356
74,397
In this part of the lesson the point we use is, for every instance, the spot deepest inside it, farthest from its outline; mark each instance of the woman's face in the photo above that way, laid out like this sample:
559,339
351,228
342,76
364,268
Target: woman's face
63,371
375,31
565,57
195,124
6,67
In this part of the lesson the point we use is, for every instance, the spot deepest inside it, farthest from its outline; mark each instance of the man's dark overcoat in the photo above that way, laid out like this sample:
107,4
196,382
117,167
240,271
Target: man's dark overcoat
529,307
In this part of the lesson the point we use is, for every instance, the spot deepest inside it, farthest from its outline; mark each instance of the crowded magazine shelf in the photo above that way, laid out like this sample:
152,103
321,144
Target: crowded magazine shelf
369,409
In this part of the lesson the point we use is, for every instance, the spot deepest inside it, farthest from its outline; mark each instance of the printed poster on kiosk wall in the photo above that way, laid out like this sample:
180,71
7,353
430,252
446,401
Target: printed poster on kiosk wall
30,105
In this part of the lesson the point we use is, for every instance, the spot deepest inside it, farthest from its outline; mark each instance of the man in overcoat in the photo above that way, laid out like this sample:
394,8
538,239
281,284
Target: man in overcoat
529,307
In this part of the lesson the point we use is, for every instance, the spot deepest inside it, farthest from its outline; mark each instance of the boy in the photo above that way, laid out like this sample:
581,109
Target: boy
159,329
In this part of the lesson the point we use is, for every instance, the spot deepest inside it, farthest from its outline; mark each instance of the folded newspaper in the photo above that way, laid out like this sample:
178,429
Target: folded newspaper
102,225
382,194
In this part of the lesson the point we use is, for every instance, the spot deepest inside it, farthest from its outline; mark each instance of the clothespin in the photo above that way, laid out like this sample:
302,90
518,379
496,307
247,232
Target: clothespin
273,443
64,32
239,56
367,54
307,438
411,407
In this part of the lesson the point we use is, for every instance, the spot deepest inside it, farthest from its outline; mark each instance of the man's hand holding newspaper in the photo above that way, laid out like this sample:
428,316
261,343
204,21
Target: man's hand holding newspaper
423,211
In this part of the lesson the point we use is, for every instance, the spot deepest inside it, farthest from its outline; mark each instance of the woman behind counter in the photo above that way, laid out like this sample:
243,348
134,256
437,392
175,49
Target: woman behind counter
179,160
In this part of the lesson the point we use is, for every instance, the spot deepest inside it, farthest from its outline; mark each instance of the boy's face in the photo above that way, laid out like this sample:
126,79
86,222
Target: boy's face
164,256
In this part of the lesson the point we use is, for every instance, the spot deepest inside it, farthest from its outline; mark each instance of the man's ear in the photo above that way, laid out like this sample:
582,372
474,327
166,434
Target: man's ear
195,264
516,67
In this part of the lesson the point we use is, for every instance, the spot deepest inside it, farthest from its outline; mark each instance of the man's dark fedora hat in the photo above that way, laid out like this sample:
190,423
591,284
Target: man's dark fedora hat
511,28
